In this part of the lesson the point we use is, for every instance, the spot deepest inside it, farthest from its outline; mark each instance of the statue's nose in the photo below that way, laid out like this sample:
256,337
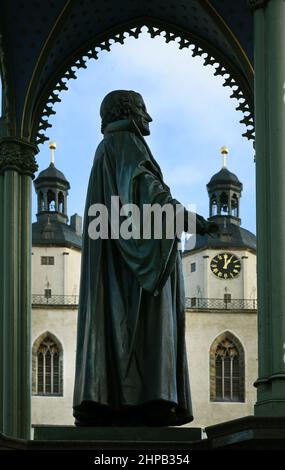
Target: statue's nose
148,117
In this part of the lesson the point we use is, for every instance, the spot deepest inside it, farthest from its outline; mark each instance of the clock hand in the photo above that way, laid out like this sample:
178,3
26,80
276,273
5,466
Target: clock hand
227,261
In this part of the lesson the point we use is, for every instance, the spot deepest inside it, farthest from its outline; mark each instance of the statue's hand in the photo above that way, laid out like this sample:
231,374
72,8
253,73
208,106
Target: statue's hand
200,226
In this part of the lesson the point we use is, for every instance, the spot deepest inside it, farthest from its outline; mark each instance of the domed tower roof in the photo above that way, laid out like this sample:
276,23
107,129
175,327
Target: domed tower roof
52,174
224,177
52,226
229,236
224,189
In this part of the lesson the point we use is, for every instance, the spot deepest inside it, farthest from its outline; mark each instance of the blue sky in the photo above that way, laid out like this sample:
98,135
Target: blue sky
192,113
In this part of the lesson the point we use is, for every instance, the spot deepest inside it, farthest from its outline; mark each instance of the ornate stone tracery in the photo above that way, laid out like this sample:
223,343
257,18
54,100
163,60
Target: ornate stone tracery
227,347
240,92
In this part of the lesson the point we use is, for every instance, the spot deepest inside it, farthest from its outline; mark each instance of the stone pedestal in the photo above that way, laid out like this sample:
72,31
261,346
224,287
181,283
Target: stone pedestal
112,438
105,439
249,433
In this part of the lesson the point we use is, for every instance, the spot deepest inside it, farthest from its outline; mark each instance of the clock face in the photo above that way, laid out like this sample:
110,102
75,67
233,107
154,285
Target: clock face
225,265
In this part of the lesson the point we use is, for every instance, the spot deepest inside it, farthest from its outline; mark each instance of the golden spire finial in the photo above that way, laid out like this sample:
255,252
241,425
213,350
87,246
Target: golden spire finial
224,152
52,146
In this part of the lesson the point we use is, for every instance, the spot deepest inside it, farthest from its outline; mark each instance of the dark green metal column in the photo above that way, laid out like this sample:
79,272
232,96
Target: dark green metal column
1,300
269,26
17,166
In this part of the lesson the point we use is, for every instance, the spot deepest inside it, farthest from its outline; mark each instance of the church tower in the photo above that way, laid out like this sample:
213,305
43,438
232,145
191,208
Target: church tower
51,228
224,191
52,189
222,266
221,307
56,258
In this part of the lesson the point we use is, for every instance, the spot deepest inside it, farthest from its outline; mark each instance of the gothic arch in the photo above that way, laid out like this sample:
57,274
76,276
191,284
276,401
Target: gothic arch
49,337
242,89
52,200
227,346
61,202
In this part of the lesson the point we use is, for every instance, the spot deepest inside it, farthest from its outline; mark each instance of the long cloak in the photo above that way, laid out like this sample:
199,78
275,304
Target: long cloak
131,356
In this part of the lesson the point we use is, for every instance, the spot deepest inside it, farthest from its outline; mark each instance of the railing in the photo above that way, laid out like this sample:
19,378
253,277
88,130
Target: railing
221,304
191,302
38,299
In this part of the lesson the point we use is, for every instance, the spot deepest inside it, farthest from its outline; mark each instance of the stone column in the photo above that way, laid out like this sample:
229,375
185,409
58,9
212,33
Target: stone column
269,51
45,200
17,166
56,205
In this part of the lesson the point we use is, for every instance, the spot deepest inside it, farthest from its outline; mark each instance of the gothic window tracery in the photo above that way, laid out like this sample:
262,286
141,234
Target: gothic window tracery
47,366
227,369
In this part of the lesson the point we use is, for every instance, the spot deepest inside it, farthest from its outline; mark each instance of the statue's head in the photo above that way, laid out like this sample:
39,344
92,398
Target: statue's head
125,104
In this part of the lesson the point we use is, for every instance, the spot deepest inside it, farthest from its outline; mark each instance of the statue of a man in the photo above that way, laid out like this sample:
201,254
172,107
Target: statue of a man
131,365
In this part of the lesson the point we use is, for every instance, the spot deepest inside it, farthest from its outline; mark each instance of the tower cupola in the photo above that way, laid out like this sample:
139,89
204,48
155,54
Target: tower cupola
224,191
52,190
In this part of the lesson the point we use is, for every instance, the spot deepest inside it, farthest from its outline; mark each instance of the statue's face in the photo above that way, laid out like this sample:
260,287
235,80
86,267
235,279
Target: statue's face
141,116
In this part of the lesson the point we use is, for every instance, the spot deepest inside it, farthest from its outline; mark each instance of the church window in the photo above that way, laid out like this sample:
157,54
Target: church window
224,204
193,267
214,205
234,205
41,201
61,202
47,260
227,369
51,200
47,366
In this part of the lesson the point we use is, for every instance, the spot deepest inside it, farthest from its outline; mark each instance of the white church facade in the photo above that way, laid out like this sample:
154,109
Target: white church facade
221,306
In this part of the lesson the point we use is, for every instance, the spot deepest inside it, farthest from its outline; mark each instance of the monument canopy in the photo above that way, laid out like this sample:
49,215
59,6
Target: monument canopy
43,43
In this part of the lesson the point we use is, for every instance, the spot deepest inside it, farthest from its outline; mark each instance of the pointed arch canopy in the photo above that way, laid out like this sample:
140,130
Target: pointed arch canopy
63,35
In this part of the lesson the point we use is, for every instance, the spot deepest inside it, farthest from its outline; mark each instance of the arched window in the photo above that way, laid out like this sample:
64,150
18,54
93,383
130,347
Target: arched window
41,201
234,204
214,205
224,204
227,369
51,200
47,366
60,202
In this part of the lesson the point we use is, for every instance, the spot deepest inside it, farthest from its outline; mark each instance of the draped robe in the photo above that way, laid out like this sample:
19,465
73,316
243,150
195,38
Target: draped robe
131,364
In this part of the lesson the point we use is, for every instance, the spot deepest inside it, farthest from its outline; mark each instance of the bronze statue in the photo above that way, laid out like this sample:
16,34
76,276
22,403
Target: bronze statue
131,365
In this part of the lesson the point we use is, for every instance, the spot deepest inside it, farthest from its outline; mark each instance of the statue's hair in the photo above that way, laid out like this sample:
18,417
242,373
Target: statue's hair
117,105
